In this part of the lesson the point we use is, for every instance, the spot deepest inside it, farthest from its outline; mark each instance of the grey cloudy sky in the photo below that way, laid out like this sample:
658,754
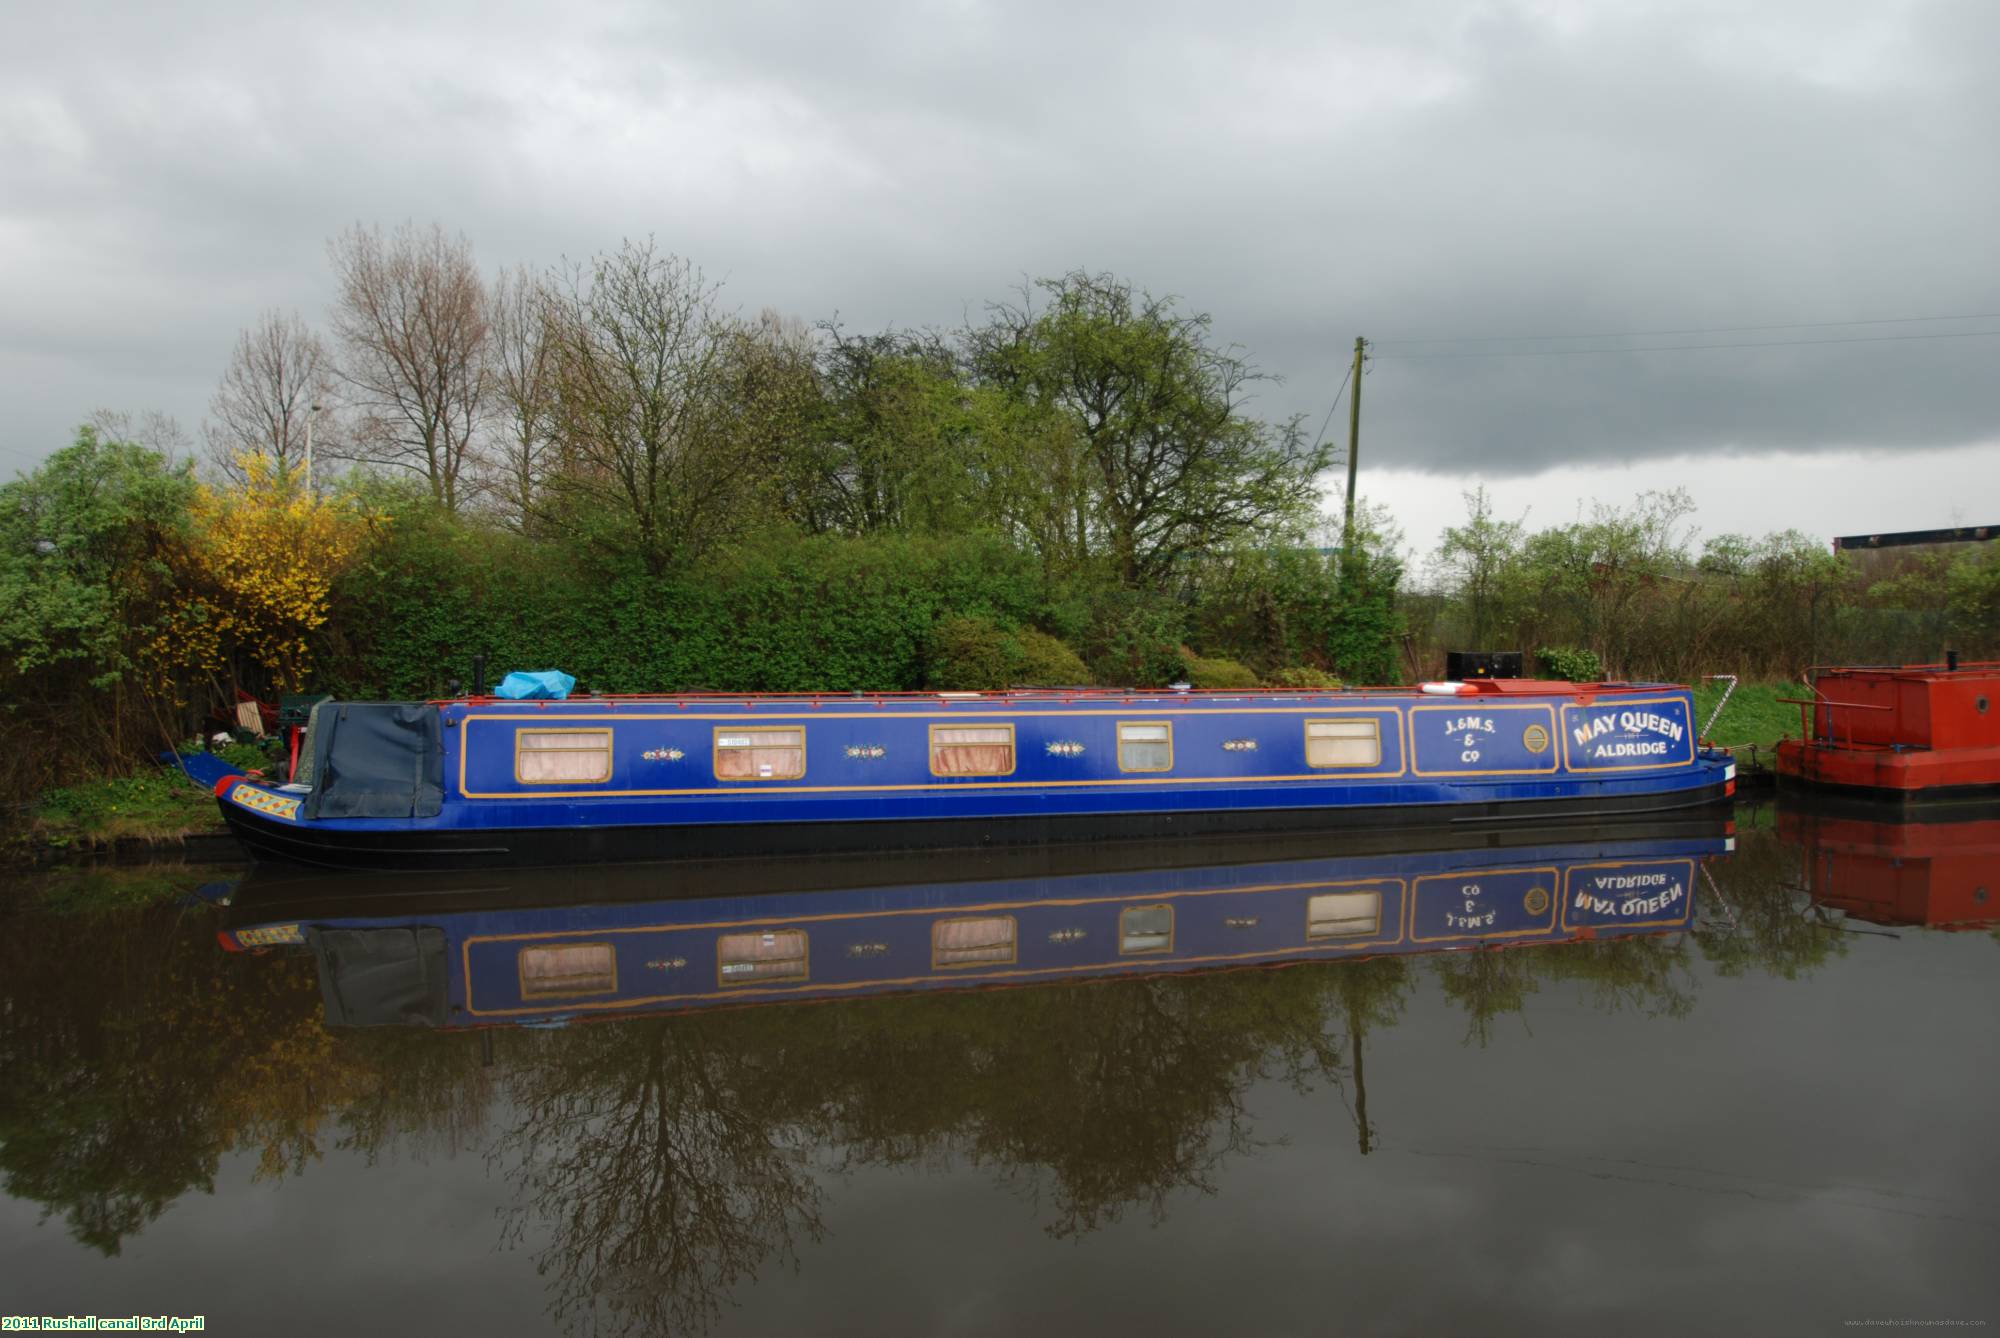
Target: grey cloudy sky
1304,172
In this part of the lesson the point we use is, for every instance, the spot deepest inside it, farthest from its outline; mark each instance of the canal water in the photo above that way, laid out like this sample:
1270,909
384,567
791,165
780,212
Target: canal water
1764,1100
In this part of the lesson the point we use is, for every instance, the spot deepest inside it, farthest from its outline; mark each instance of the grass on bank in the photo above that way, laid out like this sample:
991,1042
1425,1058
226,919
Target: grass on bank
156,804
1755,715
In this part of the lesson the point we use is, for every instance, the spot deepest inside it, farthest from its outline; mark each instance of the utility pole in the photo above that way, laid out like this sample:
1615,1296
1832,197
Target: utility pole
313,412
1353,445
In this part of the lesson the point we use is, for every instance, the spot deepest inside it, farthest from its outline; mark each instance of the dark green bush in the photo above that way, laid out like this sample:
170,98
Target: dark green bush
975,654
1300,676
1577,664
968,655
1219,673
1048,663
1133,638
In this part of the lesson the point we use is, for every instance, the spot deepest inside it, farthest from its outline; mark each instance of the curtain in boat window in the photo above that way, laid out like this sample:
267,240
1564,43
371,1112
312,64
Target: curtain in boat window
760,754
972,750
1147,746
970,941
1339,914
1355,742
774,954
562,756
567,969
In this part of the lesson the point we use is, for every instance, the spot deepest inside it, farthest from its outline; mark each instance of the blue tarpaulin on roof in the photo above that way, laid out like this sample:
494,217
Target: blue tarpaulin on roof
525,684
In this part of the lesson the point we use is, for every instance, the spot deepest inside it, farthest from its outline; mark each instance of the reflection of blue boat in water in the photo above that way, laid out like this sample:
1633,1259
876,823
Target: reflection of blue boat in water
563,944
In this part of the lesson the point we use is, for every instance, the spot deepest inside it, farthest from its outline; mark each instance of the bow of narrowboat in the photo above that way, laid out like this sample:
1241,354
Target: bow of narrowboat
483,782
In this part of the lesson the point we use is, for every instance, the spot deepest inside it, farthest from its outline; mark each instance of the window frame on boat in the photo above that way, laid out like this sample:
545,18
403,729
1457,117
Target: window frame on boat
606,732
1013,942
717,747
804,958
529,995
1166,725
1374,928
1172,925
1013,746
1374,723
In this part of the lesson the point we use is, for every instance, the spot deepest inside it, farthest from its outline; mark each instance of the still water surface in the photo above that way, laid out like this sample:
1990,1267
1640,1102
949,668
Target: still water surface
1776,1115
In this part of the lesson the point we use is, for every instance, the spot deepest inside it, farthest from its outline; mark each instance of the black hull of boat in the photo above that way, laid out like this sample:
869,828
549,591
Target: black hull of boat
269,839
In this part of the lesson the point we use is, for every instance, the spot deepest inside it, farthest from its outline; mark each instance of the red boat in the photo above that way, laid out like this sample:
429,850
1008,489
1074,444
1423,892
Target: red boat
1942,874
1916,733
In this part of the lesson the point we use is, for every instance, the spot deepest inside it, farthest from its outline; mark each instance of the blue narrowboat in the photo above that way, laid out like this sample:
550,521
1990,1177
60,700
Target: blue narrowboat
540,947
482,782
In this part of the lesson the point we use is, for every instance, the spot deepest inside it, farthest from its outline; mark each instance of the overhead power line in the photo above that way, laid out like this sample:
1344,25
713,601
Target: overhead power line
1321,434
1686,348
1661,334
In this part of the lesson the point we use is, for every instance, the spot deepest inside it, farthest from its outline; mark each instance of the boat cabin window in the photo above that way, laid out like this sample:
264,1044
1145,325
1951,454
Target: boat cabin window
773,954
565,970
1146,929
562,756
973,942
1145,746
972,750
760,754
1343,914
1352,742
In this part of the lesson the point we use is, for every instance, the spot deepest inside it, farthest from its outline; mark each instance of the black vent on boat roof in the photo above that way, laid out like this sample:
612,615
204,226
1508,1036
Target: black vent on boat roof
1459,665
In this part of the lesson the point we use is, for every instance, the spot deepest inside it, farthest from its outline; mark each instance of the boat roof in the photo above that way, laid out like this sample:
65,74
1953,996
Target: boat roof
1484,687
1926,673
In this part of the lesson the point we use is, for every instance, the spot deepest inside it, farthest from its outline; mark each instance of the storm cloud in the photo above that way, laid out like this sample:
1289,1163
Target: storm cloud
1306,173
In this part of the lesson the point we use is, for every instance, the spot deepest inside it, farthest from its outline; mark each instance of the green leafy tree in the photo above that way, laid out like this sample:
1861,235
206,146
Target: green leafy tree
1479,559
1143,418
84,577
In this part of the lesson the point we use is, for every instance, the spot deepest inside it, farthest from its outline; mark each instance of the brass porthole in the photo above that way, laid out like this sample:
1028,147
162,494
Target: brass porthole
1537,739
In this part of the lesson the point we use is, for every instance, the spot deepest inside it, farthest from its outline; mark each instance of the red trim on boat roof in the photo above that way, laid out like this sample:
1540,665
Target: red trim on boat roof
1470,687
1923,672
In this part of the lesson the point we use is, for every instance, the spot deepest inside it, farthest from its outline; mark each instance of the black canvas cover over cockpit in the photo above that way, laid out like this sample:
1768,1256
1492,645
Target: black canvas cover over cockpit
376,760
393,976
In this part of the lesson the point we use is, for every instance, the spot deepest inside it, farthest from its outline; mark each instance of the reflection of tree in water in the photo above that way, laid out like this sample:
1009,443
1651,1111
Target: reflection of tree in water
1650,973
133,1055
661,1181
1085,1099
1769,922
668,1160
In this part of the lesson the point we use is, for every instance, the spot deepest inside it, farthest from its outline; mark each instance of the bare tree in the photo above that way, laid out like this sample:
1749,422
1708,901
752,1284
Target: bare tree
412,323
150,428
519,372
640,409
278,372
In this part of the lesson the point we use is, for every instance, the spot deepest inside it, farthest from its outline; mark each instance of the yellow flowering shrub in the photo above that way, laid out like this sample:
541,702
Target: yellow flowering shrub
256,577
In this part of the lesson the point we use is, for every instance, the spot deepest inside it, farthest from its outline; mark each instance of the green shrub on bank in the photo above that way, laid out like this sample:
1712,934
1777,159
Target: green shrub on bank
1219,673
1130,638
977,655
1048,663
1301,676
1574,664
825,613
